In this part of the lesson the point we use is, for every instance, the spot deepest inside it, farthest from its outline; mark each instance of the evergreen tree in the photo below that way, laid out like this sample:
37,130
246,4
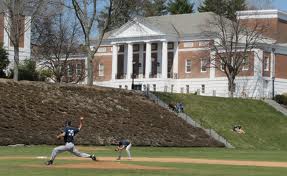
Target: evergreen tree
155,8
180,7
124,11
4,61
226,8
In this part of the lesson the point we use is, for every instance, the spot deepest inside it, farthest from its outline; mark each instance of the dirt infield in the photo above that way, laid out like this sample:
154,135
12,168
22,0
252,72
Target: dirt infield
110,162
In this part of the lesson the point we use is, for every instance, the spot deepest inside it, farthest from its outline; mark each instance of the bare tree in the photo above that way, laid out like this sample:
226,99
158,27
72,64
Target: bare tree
18,16
57,37
233,44
87,14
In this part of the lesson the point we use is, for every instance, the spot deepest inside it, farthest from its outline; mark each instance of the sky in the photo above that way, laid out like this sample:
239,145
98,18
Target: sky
280,4
276,4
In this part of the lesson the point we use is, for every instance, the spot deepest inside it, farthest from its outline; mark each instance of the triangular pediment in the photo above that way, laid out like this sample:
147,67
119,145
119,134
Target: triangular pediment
135,29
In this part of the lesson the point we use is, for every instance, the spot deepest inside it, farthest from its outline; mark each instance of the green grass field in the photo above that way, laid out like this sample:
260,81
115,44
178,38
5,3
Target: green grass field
18,167
265,127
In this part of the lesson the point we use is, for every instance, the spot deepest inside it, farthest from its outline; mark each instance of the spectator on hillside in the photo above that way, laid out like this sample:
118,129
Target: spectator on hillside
238,129
181,108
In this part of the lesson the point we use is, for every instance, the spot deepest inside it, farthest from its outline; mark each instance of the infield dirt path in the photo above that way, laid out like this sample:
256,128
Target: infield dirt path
111,160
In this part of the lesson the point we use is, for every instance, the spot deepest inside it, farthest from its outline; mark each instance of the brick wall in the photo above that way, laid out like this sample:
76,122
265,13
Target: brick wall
281,66
195,57
106,60
274,28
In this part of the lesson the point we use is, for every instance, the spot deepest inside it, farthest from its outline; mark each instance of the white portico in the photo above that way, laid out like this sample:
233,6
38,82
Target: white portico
141,52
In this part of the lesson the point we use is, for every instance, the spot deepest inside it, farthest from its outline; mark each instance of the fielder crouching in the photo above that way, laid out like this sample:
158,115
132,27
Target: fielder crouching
124,144
68,134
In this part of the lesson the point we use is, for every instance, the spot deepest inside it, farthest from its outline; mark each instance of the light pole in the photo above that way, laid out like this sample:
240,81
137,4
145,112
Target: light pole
273,74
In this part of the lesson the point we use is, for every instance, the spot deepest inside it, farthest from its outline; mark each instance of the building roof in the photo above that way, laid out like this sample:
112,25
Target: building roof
185,24
271,13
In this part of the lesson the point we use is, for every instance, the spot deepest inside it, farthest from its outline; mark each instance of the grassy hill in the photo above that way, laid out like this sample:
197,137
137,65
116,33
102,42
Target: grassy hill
265,127
32,113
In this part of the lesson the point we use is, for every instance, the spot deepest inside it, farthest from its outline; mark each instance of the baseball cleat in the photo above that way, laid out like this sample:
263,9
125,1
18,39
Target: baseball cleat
50,162
93,157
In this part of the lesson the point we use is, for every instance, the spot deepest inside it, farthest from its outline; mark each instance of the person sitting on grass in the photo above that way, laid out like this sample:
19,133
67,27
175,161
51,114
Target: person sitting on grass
238,129
124,144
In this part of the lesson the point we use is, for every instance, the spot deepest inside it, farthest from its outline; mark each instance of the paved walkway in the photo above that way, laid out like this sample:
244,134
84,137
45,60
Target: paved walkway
277,106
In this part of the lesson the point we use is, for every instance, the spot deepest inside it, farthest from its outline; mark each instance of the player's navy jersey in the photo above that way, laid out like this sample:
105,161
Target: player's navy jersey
124,143
70,132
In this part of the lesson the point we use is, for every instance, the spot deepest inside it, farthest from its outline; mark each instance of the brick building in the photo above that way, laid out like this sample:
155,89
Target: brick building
169,53
25,40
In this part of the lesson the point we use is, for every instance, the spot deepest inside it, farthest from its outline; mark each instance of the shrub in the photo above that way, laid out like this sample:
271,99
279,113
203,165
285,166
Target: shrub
281,99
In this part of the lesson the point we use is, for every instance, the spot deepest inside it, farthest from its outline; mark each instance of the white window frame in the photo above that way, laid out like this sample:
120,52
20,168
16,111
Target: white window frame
78,70
102,50
203,88
188,44
69,71
188,60
266,60
101,70
187,87
245,64
201,64
203,43
221,65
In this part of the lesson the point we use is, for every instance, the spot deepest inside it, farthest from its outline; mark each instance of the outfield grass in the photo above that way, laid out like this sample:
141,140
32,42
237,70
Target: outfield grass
265,127
14,167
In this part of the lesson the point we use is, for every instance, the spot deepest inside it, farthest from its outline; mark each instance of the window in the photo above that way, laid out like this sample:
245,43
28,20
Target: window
136,47
245,64
102,49
165,88
69,71
154,46
187,66
222,65
188,44
101,69
121,48
187,88
170,45
266,63
203,64
79,70
154,87
203,44
203,88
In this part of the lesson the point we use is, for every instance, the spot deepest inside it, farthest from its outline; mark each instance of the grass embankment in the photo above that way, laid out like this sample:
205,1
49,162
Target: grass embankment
265,127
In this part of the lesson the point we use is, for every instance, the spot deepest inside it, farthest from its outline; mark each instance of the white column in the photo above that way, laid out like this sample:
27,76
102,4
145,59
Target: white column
164,60
258,74
272,64
141,58
148,60
175,60
212,65
115,62
130,61
258,63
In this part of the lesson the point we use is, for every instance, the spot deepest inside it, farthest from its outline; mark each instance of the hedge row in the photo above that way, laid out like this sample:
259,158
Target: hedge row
281,99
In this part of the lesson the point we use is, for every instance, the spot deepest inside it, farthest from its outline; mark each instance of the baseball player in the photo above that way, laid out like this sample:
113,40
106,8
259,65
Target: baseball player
124,144
68,134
